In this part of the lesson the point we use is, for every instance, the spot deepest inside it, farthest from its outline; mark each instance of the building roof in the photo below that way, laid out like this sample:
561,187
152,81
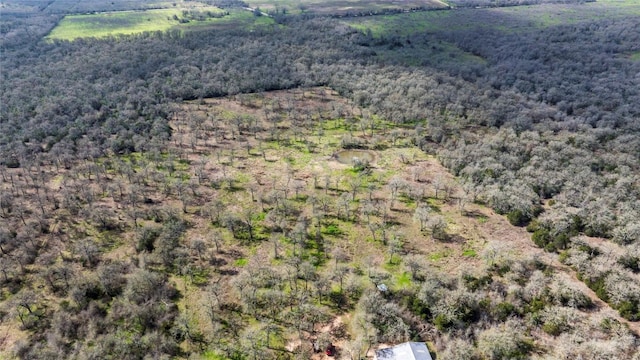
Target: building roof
405,351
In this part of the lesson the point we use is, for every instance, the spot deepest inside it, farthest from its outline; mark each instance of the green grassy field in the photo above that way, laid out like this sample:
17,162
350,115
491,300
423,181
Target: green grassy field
135,22
552,15
114,23
505,19
341,6
401,24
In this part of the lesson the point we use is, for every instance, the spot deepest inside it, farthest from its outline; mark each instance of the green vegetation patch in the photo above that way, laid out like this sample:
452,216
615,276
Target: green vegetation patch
402,24
469,253
503,19
403,280
394,37
439,255
342,7
332,229
106,24
241,262
114,23
547,15
210,355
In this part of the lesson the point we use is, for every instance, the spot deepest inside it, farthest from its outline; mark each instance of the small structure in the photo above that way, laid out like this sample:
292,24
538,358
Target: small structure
405,351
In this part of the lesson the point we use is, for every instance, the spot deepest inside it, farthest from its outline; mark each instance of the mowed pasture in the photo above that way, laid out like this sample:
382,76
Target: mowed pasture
503,19
343,7
114,23
134,22
432,37
547,15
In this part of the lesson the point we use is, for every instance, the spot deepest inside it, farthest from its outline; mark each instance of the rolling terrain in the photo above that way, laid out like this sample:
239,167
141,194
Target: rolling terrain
229,180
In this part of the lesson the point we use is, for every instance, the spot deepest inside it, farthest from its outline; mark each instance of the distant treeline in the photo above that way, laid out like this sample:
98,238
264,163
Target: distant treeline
504,3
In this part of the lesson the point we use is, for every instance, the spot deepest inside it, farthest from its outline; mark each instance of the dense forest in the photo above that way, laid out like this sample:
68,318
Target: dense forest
123,166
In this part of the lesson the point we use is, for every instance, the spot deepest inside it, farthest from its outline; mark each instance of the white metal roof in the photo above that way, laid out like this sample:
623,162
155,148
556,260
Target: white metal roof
405,351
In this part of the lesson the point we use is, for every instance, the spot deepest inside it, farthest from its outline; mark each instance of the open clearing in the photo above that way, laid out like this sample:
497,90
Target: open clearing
505,19
134,22
257,180
114,23
343,7
281,153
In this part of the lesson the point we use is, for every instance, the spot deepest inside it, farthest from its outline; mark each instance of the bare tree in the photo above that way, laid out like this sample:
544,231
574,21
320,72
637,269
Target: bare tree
396,184
421,215
437,226
416,265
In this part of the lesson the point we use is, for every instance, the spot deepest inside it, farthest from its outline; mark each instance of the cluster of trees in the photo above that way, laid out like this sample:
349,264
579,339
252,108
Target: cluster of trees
612,278
124,86
545,132
118,234
560,148
74,6
226,4
105,304
502,3
96,302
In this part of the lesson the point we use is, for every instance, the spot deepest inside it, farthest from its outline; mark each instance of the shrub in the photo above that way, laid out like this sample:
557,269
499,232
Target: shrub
442,322
459,350
629,310
557,319
533,226
630,262
568,296
552,328
504,310
506,342
518,218
564,255
12,162
560,242
360,165
473,283
536,304
416,306
333,229
147,237
597,284
541,237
